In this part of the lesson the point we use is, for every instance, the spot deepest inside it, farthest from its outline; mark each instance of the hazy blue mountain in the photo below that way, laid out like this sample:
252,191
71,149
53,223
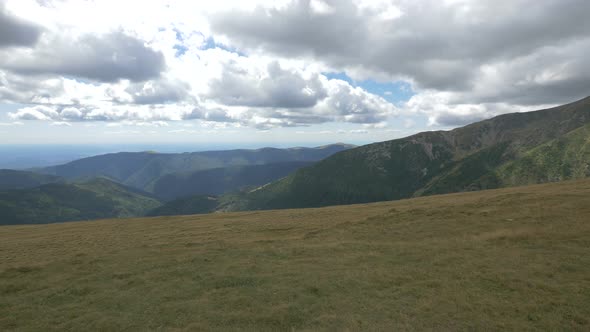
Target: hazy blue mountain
142,169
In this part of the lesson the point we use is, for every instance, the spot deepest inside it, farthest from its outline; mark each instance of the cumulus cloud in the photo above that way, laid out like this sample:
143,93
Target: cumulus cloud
61,124
353,104
438,45
39,112
252,91
210,114
343,103
136,115
553,74
261,63
158,91
15,88
16,32
272,87
105,58
442,109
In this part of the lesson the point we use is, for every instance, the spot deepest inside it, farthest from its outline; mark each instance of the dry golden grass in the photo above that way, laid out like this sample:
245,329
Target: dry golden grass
510,259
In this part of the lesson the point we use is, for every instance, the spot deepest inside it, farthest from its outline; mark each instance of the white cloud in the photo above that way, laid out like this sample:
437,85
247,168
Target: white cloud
523,56
276,97
104,58
443,109
151,124
11,124
243,84
61,124
179,131
156,63
38,112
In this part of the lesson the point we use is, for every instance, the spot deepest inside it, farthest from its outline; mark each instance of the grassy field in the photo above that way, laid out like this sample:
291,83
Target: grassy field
510,259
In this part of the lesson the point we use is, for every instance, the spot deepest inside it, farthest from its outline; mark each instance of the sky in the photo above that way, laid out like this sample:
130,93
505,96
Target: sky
257,72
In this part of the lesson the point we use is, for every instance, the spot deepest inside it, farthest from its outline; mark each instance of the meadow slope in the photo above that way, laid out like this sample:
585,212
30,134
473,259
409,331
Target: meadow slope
508,259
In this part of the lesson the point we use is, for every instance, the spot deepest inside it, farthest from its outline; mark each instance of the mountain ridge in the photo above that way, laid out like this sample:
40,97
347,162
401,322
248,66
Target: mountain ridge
419,164
142,169
218,181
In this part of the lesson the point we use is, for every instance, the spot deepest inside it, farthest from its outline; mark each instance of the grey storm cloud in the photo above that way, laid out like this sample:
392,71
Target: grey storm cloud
280,88
438,45
104,58
15,31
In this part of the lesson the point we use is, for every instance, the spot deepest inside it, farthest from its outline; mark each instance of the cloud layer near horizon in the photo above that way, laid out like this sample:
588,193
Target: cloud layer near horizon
264,64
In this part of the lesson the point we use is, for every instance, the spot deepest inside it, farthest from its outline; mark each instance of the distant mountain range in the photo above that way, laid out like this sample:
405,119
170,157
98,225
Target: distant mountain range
142,170
218,181
98,187
511,149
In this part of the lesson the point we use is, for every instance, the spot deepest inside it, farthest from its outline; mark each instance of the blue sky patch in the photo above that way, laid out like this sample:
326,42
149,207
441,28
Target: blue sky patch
180,49
397,92
178,35
211,43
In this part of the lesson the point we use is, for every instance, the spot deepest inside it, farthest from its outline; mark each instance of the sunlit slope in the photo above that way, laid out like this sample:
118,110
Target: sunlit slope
565,158
509,259
437,162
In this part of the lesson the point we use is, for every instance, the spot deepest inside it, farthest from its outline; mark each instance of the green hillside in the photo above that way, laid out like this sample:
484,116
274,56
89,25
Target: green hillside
515,259
219,181
57,202
567,157
428,163
197,204
130,202
13,179
142,169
